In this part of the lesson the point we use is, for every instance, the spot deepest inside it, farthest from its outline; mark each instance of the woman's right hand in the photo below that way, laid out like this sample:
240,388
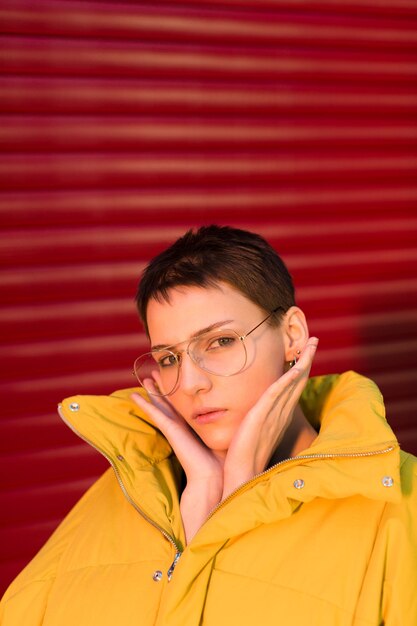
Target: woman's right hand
203,470
197,460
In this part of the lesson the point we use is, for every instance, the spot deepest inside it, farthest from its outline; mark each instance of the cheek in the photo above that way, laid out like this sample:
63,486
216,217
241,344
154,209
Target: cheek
266,367
179,402
256,379
244,390
253,384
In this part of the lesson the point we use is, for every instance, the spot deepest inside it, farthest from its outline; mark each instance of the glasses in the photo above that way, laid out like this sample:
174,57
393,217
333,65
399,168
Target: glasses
219,352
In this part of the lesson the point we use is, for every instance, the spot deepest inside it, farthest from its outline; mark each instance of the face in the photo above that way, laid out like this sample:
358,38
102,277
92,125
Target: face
214,406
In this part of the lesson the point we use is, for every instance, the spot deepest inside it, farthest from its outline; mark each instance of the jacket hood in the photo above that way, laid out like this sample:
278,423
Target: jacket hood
354,454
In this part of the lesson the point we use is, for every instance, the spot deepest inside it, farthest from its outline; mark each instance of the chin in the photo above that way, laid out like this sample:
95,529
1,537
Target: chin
219,445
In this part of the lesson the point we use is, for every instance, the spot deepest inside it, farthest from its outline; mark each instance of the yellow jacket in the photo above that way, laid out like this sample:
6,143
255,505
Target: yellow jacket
327,538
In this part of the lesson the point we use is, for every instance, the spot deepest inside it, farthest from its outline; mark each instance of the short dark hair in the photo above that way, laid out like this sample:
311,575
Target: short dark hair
213,254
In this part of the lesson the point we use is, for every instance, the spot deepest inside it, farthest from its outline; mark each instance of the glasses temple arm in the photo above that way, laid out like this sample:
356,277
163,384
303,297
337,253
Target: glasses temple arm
264,320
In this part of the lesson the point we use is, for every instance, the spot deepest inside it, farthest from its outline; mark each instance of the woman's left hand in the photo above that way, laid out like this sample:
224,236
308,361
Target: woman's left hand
264,425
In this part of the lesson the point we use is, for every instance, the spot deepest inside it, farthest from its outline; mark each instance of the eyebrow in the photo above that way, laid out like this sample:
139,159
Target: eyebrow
193,336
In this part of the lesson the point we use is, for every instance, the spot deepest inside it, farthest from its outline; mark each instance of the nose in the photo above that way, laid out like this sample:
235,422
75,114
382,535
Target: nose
192,378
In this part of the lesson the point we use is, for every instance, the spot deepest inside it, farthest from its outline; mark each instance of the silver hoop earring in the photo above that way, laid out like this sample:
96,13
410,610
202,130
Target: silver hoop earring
294,361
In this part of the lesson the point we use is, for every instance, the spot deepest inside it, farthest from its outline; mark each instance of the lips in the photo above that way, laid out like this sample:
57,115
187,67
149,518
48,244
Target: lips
208,415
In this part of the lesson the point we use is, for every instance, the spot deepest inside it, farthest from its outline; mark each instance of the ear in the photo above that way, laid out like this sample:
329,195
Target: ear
295,332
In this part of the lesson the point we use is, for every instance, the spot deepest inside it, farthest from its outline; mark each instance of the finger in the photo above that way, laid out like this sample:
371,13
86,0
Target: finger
301,370
310,347
189,450
307,354
292,383
157,380
170,425
155,408
304,361
155,391
153,387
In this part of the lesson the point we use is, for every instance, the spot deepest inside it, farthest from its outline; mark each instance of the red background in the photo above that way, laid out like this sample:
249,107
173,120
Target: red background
123,124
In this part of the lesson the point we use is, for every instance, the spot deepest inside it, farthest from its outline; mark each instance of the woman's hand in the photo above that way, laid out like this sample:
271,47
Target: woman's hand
203,470
262,429
196,459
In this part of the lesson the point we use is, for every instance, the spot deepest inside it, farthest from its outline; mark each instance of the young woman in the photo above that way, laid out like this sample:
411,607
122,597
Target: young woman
242,491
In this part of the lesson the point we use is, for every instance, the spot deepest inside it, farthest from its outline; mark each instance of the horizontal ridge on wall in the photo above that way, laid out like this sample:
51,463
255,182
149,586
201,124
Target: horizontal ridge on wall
98,95
167,23
30,55
92,206
50,172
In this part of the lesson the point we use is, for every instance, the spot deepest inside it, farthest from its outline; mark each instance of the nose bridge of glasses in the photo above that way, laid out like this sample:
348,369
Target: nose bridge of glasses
192,373
172,349
178,353
191,348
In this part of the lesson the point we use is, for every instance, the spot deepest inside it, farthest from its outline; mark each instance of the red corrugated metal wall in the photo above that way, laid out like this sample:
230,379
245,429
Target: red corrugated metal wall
122,124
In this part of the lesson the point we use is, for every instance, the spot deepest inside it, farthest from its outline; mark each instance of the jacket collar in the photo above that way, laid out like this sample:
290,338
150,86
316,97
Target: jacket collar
355,453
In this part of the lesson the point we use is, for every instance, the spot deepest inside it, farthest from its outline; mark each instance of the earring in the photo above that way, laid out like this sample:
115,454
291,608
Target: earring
294,361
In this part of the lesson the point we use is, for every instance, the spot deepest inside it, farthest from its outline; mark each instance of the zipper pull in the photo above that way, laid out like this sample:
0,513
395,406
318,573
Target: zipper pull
174,562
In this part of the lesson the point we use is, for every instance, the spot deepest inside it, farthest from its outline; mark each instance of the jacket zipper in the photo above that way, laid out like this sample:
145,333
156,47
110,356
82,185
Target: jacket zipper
174,563
328,455
178,552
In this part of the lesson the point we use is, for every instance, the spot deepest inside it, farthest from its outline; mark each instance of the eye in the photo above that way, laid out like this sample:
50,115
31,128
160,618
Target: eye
222,341
169,360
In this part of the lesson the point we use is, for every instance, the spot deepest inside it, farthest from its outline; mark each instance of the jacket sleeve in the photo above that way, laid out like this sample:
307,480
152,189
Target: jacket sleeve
399,593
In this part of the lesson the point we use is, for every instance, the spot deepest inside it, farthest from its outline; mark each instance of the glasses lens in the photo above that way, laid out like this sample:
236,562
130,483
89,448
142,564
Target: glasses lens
221,352
163,363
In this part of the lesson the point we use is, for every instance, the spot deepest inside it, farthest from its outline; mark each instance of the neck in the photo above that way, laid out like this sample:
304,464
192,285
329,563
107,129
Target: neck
298,437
